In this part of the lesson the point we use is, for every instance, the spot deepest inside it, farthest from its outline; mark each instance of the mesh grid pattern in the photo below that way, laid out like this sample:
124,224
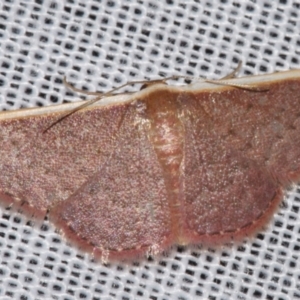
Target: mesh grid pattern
101,44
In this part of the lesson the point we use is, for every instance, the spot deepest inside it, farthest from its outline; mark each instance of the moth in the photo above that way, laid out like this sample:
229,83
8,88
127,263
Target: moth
134,174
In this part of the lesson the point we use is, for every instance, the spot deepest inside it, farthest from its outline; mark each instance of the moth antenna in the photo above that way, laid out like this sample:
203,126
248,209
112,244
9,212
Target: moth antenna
239,86
231,75
72,111
92,101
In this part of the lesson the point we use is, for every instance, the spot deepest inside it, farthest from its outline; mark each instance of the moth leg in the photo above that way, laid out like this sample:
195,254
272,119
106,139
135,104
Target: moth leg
234,72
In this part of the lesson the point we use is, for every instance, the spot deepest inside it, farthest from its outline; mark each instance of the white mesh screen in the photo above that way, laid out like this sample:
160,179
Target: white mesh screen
102,44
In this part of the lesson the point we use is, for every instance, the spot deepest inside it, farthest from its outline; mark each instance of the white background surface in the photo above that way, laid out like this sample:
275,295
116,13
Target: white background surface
99,45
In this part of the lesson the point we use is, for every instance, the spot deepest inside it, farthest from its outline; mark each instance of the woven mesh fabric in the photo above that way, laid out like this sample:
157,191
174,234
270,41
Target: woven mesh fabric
102,44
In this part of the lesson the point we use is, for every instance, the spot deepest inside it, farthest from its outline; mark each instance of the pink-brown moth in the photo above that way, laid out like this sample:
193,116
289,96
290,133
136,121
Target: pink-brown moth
135,174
